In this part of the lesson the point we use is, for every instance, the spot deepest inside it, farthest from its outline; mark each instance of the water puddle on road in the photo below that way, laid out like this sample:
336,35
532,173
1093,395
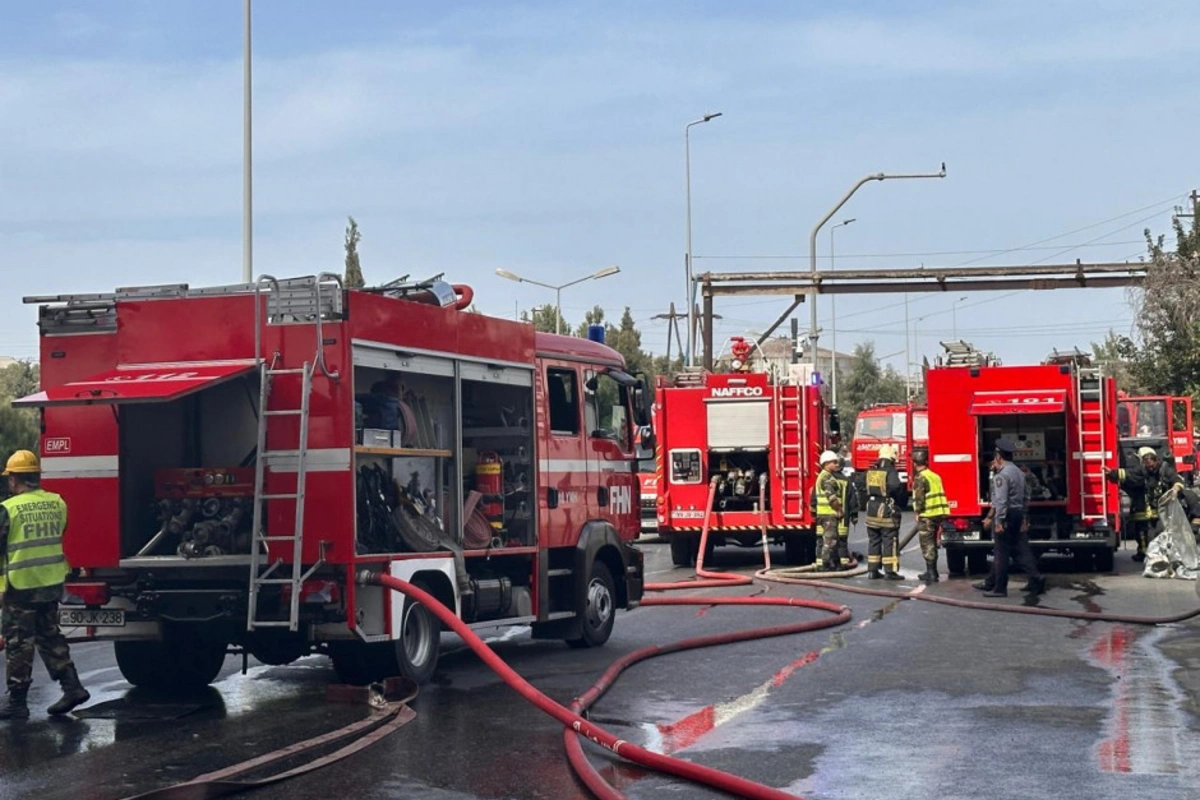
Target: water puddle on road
1145,720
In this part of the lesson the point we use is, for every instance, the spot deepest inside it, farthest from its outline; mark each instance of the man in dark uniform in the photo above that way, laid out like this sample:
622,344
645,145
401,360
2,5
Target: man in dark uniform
885,498
1007,519
1146,483
32,523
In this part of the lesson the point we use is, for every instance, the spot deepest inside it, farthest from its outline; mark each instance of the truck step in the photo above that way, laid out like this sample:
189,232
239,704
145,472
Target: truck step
559,573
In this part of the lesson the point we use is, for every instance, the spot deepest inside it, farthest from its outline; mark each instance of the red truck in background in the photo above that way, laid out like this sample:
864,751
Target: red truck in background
1062,414
1162,422
234,457
753,434
903,426
647,472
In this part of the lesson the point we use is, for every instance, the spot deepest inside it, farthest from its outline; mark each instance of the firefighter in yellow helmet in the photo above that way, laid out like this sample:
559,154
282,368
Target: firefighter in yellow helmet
32,524
885,499
1145,483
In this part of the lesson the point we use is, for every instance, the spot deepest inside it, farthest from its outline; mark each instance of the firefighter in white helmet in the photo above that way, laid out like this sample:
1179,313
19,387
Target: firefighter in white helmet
829,506
1145,483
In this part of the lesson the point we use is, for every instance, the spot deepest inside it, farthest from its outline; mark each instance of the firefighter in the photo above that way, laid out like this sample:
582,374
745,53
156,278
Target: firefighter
1145,484
1010,528
885,498
32,523
931,507
829,507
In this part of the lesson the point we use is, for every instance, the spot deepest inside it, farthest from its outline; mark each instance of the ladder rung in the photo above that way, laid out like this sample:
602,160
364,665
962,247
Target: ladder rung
290,371
282,623
283,412
277,538
279,497
273,581
558,573
281,454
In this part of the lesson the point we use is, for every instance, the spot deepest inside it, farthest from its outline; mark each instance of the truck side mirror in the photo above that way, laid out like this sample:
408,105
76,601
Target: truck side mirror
835,421
642,400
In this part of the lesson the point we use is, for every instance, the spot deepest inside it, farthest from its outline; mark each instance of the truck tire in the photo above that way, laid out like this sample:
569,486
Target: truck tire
1104,559
600,608
179,662
977,562
799,548
956,561
418,647
683,549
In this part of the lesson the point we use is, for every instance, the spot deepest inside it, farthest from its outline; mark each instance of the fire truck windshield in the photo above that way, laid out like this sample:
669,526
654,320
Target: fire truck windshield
884,426
1142,418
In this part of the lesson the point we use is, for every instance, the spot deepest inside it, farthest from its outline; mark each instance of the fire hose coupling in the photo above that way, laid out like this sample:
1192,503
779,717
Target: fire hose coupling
368,577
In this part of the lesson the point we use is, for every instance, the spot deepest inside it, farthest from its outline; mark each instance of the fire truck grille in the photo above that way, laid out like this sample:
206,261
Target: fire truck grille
648,503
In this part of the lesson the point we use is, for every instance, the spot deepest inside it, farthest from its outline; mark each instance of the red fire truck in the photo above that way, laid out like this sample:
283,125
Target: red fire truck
1062,414
234,457
747,430
647,473
1162,422
900,425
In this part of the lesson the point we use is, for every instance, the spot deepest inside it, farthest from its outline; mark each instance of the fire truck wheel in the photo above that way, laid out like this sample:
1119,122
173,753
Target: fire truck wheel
180,662
1104,559
683,549
799,549
956,561
600,610
420,639
977,562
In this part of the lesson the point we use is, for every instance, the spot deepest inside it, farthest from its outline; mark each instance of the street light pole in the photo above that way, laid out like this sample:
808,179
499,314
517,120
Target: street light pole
954,317
689,292
604,273
812,240
247,188
833,311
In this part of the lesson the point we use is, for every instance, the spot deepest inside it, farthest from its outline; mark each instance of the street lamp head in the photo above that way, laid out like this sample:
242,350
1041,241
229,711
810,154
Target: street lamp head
716,114
604,273
942,174
848,221
503,273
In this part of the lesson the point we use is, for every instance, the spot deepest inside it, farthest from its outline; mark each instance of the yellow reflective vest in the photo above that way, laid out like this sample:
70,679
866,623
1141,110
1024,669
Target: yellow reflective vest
936,504
34,556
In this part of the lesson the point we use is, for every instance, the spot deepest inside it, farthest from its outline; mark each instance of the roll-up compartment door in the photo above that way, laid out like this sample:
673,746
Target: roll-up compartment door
739,425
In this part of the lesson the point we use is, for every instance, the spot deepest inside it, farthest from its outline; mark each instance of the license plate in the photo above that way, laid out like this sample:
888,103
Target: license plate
91,618
971,536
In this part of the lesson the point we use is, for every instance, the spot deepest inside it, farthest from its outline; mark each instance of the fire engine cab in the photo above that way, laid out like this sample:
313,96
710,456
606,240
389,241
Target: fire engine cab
235,457
1062,414
758,436
1161,422
903,426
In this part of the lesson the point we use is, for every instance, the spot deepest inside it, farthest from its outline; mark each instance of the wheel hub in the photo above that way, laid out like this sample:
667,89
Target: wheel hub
599,604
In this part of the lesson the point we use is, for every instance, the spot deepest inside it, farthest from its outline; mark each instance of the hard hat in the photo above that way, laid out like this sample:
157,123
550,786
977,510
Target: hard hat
828,456
1142,452
887,451
22,461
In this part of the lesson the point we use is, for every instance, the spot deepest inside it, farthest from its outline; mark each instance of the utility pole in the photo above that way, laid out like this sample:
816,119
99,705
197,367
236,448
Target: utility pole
672,317
247,153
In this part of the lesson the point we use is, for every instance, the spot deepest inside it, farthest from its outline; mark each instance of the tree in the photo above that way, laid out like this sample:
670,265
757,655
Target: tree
1117,355
593,317
1167,310
353,277
19,428
866,383
545,319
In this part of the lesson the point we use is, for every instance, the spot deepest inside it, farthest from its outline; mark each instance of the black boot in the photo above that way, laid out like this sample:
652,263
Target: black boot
73,693
1139,556
983,586
1035,585
874,574
931,573
14,706
892,575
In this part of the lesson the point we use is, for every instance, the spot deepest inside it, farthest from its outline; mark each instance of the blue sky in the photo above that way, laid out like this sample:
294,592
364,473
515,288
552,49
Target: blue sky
547,139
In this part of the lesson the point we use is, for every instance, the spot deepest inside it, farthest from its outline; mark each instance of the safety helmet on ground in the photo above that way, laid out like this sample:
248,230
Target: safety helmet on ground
829,456
888,452
22,462
1143,452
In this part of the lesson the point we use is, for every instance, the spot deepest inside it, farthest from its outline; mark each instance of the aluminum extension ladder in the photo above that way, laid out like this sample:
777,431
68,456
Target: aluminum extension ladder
299,300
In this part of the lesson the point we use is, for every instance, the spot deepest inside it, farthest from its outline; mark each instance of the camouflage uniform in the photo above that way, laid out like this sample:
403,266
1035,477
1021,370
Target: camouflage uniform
30,621
926,526
829,488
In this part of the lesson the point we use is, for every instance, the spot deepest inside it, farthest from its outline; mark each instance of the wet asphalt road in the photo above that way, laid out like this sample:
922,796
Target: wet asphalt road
909,700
